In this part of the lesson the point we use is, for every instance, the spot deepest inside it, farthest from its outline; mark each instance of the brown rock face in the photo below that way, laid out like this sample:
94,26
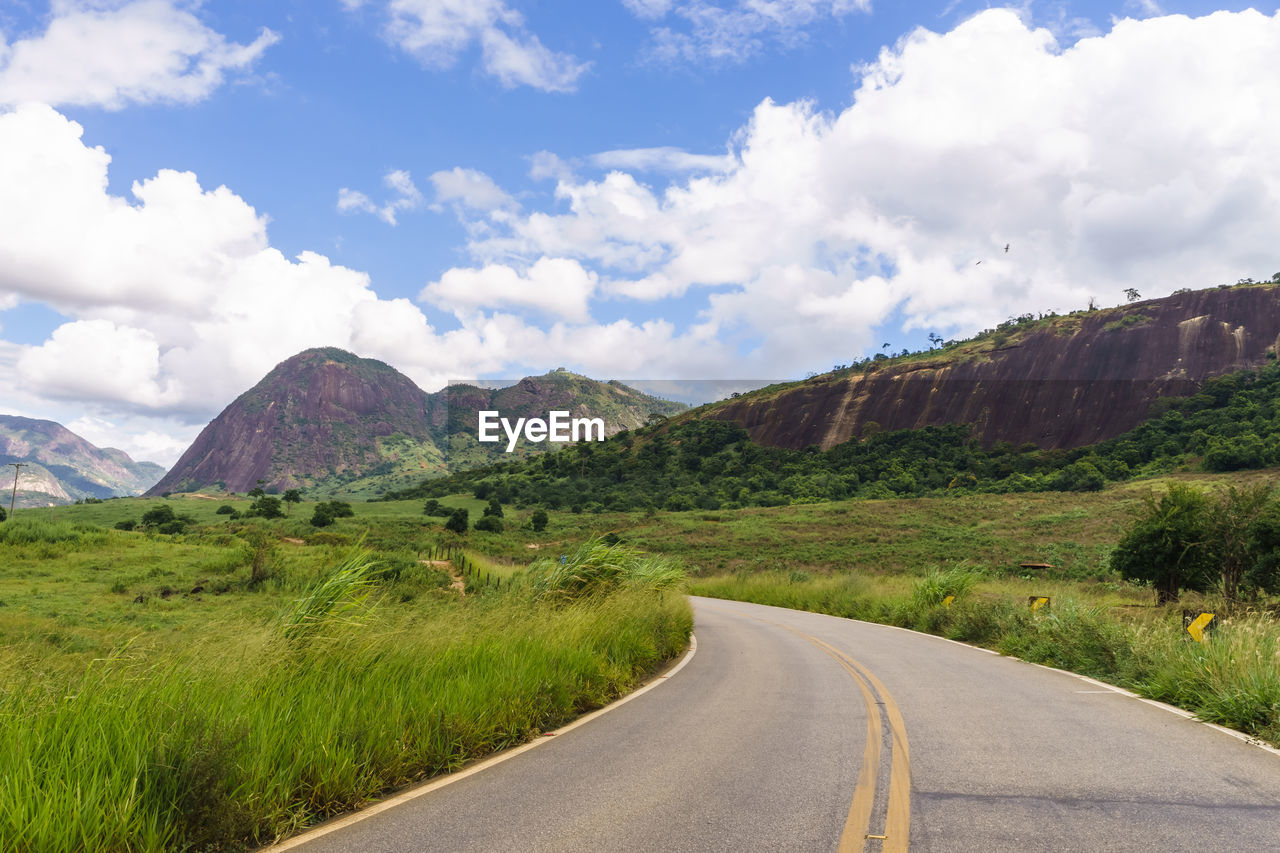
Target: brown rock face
1085,378
318,413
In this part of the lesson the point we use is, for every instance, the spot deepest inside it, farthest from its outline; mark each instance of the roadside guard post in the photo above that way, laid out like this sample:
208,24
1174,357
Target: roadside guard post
1198,623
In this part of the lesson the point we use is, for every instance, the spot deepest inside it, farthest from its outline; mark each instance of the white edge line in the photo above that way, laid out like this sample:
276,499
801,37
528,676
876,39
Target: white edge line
440,782
1172,709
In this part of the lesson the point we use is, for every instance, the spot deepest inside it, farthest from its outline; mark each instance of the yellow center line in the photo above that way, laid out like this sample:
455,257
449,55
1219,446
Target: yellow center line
857,827
897,827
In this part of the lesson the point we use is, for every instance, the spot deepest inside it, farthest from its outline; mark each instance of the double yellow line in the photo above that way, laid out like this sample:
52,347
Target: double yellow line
857,826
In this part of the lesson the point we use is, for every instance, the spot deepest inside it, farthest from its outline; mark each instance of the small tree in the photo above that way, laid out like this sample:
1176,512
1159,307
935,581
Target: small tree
255,492
457,522
494,509
322,516
291,496
539,520
490,524
1132,294
266,507
158,515
1170,544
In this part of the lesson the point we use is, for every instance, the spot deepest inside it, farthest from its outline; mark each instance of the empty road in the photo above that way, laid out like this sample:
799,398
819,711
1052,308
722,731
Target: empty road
794,731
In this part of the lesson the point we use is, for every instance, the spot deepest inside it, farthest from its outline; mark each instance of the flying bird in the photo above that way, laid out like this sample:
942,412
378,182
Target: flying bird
1006,248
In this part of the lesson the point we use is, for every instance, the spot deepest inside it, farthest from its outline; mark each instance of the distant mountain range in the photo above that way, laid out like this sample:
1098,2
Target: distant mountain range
61,467
332,422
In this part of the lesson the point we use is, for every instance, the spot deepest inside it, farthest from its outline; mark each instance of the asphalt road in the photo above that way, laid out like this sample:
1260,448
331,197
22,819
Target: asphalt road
793,731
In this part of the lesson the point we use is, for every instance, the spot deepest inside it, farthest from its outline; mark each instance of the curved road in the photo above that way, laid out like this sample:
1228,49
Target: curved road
794,731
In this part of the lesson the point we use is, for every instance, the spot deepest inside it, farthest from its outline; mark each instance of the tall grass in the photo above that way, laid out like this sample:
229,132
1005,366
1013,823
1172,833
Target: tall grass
597,567
224,747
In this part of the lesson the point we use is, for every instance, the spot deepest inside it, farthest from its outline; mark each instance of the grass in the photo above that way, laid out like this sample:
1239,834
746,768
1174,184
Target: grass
155,696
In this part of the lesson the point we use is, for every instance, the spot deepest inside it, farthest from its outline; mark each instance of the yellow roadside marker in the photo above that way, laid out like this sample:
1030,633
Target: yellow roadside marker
1199,626
1037,601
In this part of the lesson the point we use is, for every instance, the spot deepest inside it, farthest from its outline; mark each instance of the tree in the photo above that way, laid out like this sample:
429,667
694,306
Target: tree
1170,544
494,509
291,496
157,516
322,515
489,524
457,522
539,520
3,514
256,492
1235,518
1132,294
266,507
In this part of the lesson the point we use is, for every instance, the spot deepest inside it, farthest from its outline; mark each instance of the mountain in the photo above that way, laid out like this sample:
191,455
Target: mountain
332,422
1053,381
60,466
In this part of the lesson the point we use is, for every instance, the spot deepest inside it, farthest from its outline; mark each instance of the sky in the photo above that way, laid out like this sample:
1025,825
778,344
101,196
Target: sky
192,192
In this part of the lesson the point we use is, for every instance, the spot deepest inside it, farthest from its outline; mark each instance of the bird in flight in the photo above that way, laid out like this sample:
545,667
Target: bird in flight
1006,248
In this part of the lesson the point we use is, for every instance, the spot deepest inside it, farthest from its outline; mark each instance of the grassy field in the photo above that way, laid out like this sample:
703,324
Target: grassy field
225,686
155,695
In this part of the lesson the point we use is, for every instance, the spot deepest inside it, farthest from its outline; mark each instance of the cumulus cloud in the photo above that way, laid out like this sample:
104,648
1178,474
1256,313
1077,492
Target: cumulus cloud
1145,155
405,196
555,286
178,299
699,30
472,190
436,32
112,54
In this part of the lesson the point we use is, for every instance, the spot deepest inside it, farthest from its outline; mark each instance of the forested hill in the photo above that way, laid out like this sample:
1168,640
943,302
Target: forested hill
1232,422
1055,381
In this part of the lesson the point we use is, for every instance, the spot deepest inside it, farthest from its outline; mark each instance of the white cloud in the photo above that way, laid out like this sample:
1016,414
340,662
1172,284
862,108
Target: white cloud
436,32
407,196
558,287
109,55
471,189
98,360
1146,155
664,159
734,31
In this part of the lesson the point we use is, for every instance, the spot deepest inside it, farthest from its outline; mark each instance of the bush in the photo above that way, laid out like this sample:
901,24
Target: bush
489,524
539,520
493,510
457,522
266,507
126,524
158,515
3,514
1168,545
225,509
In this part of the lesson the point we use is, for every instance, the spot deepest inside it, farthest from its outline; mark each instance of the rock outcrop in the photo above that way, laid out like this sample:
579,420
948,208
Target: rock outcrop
1058,383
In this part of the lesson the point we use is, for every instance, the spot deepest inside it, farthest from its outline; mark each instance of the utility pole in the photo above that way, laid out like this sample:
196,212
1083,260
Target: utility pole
17,466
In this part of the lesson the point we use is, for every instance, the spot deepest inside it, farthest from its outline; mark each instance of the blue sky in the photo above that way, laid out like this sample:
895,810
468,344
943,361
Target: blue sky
629,188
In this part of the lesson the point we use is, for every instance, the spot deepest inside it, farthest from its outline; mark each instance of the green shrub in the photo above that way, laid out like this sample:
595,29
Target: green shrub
489,524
